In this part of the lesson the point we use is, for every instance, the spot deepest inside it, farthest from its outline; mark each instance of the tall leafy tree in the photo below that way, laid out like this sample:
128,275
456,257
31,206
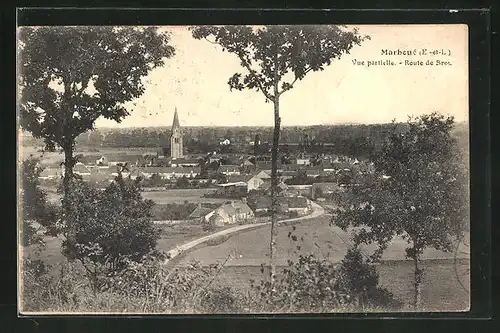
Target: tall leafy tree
112,228
35,210
418,191
71,76
274,58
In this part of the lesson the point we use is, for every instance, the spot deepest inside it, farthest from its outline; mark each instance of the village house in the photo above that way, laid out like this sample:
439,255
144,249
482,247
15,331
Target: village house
103,161
302,160
247,165
171,172
80,169
229,170
199,212
184,162
258,181
230,213
300,205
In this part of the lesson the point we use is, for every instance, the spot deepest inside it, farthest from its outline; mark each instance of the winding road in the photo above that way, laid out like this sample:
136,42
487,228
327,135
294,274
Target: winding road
317,211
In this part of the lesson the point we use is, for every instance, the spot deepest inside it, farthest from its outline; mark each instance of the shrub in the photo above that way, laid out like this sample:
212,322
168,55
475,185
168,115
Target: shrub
109,228
217,240
220,299
360,281
313,285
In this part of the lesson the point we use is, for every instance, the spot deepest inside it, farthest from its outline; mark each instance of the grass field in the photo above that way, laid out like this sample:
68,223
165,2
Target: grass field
165,197
251,247
441,290
54,158
181,195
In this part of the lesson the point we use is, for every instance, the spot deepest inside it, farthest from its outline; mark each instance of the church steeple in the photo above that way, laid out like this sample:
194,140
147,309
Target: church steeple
176,144
176,124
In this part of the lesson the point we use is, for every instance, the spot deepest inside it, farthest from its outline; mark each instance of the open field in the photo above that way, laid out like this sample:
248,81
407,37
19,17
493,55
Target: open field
441,290
164,197
318,237
181,195
54,158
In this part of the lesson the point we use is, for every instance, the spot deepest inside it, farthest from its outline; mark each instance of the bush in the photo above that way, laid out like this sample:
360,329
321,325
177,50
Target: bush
108,229
220,299
313,285
217,240
360,281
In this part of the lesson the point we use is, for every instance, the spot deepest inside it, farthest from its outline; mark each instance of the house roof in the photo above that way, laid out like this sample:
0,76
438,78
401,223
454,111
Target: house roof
228,168
288,173
263,175
81,168
292,202
239,178
235,207
185,161
199,212
171,170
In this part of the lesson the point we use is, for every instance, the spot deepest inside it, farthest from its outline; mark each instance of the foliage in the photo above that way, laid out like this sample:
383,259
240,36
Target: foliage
96,68
274,59
173,211
34,282
145,287
360,281
300,179
112,227
34,206
182,182
419,192
316,285
71,76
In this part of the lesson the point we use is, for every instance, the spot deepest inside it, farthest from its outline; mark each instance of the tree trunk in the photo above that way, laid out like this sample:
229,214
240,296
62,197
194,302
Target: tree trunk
68,176
274,187
417,283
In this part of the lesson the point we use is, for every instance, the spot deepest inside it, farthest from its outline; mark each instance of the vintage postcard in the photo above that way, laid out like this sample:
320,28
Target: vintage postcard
243,169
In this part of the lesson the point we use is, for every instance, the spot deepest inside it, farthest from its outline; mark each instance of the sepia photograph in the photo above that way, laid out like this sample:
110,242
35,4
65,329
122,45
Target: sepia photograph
239,169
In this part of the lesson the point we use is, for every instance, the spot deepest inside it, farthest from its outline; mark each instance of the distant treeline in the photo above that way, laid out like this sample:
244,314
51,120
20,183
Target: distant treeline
341,139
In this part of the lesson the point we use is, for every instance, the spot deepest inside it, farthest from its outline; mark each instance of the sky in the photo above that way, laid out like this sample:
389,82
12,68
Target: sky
195,82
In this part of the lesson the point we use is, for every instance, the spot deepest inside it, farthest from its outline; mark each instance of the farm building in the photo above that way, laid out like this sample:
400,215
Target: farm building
286,204
229,170
184,162
102,161
230,213
169,172
258,181
199,212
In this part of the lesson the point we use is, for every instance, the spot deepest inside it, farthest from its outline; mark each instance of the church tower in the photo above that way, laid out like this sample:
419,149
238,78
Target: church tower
176,145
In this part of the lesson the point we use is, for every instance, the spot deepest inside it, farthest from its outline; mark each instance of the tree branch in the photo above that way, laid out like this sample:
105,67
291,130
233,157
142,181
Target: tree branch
293,82
259,83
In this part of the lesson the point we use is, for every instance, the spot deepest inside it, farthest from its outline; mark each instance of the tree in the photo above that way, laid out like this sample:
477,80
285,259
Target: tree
71,76
256,145
418,192
275,58
182,182
34,206
112,227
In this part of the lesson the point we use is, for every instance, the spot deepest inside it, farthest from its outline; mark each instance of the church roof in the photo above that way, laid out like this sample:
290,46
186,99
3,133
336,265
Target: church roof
176,124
